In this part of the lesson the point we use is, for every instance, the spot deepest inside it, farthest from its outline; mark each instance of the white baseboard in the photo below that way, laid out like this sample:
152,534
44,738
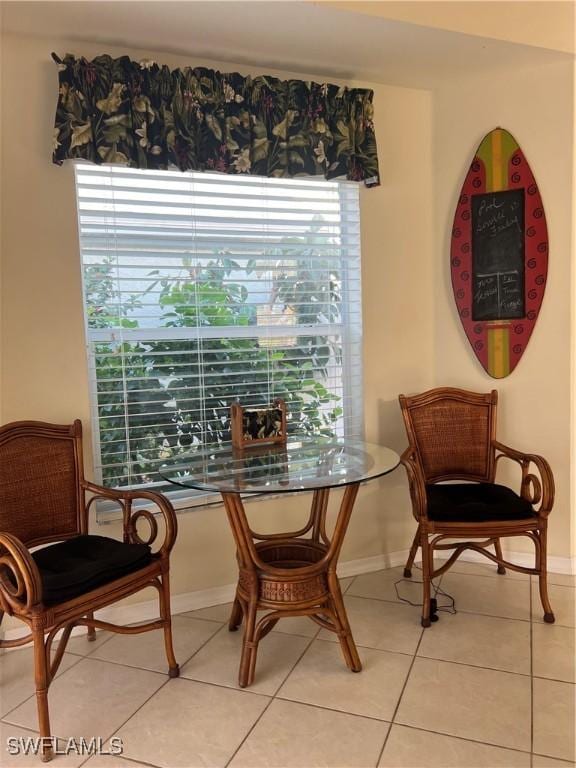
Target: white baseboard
133,613
566,565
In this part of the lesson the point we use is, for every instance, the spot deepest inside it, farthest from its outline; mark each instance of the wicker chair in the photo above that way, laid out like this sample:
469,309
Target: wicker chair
452,436
44,498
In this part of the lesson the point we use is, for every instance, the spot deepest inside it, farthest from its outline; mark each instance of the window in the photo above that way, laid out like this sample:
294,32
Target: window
200,289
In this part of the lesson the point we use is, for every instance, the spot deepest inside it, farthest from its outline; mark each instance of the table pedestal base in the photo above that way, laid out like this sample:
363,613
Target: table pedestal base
289,574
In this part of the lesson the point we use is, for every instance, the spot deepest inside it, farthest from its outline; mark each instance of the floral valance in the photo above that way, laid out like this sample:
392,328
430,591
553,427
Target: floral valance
145,115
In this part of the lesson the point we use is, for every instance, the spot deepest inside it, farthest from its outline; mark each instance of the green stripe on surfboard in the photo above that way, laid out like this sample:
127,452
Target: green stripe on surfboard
508,147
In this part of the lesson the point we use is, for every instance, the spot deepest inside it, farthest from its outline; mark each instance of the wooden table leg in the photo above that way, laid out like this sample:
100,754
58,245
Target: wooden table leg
337,603
236,616
318,515
343,630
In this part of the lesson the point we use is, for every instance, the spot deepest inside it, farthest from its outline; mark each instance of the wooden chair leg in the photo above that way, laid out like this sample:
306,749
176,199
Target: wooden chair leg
91,630
165,614
426,580
542,566
249,647
498,550
347,643
42,678
412,555
236,615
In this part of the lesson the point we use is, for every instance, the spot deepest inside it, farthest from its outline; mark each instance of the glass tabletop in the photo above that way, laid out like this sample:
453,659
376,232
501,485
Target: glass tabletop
304,463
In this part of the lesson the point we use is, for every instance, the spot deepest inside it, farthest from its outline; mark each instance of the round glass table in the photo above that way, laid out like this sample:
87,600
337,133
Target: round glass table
292,573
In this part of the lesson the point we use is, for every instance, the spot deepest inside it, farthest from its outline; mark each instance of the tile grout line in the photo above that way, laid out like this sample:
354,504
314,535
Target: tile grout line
352,580
90,658
128,760
164,684
324,708
225,687
495,575
125,721
23,727
392,722
274,696
568,763
466,739
111,735
450,661
60,738
141,762
366,647
31,695
460,610
79,660
422,630
475,666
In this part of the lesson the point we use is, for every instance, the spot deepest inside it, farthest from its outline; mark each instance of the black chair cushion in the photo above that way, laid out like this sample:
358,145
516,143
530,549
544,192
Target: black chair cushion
83,563
475,503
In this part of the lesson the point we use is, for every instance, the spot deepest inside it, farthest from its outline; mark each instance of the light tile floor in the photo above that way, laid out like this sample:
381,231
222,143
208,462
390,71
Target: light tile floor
488,687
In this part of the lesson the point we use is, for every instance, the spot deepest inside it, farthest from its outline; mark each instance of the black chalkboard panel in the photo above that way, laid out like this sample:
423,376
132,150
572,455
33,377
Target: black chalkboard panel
498,255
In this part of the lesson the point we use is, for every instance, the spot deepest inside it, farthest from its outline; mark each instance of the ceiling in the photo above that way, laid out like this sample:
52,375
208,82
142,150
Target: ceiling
299,37
543,23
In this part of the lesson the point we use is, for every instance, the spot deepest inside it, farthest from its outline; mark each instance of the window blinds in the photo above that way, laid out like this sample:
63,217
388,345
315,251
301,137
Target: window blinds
202,289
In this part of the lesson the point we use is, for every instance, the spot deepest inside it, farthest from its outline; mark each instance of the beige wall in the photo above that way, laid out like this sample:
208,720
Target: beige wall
536,106
573,326
44,371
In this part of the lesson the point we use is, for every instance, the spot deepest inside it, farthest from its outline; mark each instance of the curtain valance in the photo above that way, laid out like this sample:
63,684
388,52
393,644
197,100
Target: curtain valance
145,115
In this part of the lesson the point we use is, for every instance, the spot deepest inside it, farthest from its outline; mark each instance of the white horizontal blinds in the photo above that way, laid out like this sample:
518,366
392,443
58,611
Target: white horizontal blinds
201,289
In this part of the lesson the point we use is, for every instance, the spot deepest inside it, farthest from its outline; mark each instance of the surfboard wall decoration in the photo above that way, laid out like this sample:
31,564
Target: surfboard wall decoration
499,253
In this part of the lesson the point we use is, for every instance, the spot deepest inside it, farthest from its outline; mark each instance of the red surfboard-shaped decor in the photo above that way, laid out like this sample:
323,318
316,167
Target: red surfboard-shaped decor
499,253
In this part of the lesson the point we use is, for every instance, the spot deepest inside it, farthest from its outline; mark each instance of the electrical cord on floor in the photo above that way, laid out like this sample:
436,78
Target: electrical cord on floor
449,607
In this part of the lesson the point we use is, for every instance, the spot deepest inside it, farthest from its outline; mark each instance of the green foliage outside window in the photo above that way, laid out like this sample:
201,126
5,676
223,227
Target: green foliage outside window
156,398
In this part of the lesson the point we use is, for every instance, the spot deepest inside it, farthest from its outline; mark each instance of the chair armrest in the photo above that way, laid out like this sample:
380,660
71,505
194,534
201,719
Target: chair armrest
20,582
536,489
131,517
417,483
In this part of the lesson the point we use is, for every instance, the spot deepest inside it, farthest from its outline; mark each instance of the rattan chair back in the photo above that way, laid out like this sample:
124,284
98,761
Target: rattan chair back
451,430
40,476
